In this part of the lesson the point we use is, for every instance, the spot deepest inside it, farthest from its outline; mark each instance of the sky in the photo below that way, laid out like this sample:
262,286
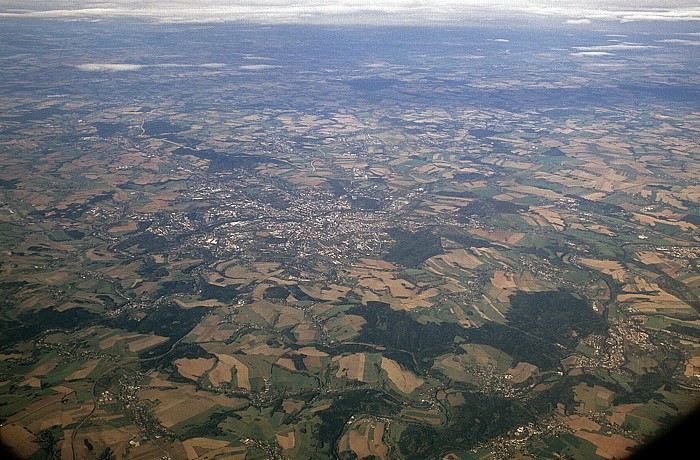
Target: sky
574,12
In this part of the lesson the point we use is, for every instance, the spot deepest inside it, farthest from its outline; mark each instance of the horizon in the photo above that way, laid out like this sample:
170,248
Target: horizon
362,12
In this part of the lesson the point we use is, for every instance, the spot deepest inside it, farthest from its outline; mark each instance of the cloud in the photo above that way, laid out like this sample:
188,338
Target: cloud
104,67
592,53
616,47
258,67
357,11
679,41
112,67
578,21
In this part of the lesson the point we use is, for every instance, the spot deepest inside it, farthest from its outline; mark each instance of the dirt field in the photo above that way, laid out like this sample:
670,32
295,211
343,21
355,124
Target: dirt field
461,258
364,438
609,267
84,371
305,332
198,447
146,342
222,371
287,441
352,367
522,372
405,381
614,446
18,440
193,369
179,404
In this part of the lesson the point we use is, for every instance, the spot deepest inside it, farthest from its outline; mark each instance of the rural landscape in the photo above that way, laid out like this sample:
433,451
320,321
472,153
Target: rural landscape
253,241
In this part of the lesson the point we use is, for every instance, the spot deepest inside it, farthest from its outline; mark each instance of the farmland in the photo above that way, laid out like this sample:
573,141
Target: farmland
297,244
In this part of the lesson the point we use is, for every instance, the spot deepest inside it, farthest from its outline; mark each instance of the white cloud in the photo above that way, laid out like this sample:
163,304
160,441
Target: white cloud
578,21
678,41
113,67
106,67
616,47
349,11
592,53
258,67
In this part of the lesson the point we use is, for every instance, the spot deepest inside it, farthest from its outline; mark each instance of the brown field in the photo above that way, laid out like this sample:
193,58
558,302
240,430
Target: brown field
210,329
84,371
652,299
613,446
184,402
383,284
130,226
377,264
592,399
650,258
267,310
116,439
620,413
199,303
345,327
38,409
405,381
287,441
365,439
579,422
18,440
110,341
330,293
239,274
222,371
44,368
352,367
430,416
552,217
34,382
460,258
193,369
522,372
286,363
305,332
198,447
289,316
609,267
652,221
503,280
146,342
6,356
500,236
310,351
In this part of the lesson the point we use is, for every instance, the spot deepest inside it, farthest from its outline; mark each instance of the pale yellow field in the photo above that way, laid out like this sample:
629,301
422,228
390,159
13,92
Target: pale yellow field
110,341
352,367
287,441
364,438
460,258
405,381
193,368
146,342
222,371
84,371
609,267
195,445
522,372
286,363
179,404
